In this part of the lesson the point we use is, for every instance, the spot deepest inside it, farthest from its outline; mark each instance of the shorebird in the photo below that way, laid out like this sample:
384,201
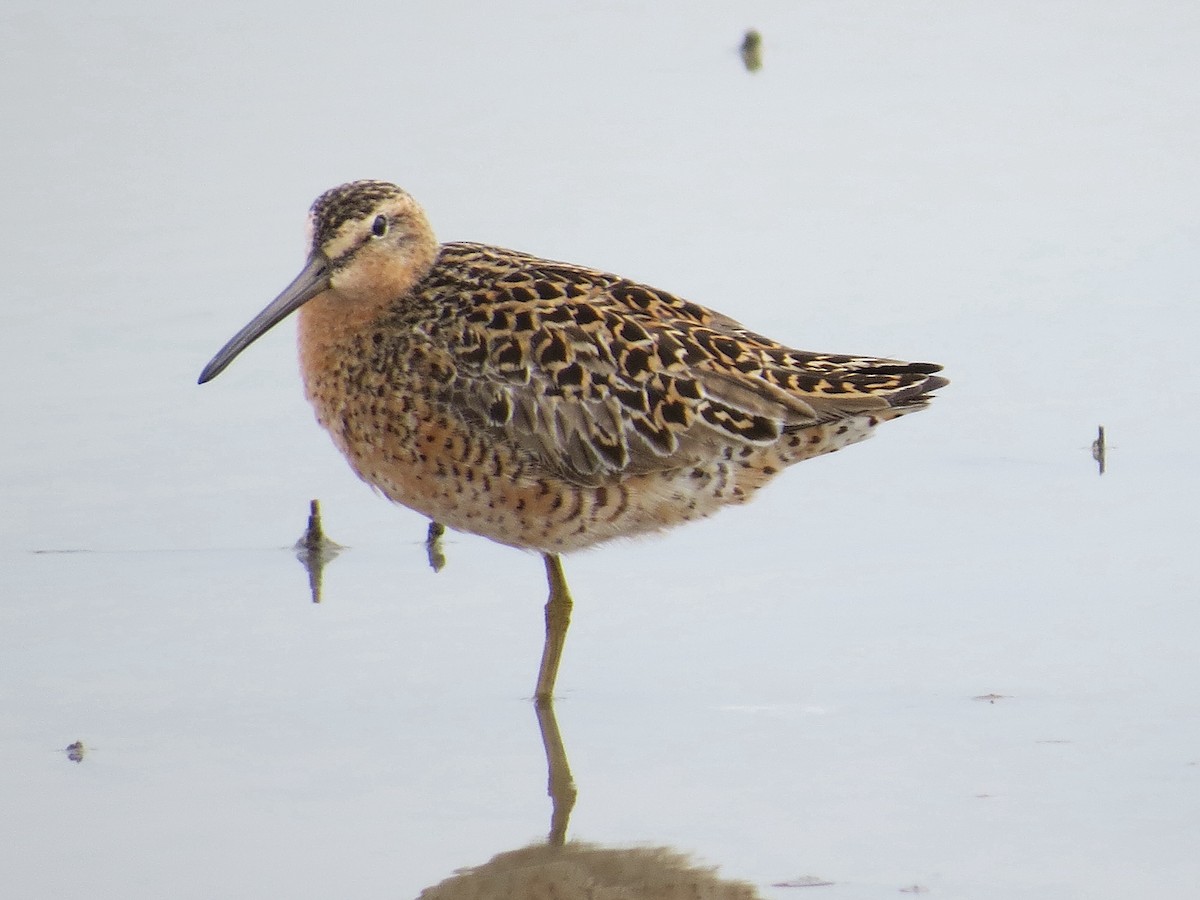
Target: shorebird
545,405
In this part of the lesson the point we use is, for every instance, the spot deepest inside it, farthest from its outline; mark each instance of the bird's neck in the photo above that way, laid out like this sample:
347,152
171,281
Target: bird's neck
369,291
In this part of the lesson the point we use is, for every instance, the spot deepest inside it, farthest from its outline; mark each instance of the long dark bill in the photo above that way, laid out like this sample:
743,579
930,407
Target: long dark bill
311,281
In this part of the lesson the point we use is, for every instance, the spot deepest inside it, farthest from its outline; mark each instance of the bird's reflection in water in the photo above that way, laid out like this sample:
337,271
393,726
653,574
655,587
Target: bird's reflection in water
577,870
573,870
557,869
560,786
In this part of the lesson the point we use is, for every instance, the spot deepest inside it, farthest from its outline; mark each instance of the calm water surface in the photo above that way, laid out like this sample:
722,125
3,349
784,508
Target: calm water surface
785,691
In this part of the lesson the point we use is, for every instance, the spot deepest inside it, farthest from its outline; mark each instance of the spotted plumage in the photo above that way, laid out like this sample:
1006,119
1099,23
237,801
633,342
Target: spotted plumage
545,405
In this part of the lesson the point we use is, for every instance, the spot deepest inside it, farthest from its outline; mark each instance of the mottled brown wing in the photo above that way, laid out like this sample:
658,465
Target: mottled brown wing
596,375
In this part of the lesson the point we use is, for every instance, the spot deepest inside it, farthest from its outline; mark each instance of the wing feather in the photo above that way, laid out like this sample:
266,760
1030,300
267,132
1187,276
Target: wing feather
598,377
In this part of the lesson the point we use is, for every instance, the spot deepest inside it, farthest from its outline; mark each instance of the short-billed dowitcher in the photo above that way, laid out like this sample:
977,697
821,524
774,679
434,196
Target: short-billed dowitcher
549,406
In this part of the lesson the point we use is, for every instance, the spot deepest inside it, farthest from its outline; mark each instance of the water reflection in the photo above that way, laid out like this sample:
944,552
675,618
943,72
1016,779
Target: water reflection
751,51
433,546
560,785
314,549
557,867
574,870
578,870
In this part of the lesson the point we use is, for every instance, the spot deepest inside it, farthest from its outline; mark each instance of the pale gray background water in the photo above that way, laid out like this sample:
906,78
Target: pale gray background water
1007,188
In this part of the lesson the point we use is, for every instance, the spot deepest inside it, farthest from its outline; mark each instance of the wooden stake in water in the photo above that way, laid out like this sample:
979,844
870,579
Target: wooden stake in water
1100,450
751,50
314,549
433,545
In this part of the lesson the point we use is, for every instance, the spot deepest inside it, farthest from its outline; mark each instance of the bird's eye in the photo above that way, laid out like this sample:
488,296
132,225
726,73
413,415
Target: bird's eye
380,226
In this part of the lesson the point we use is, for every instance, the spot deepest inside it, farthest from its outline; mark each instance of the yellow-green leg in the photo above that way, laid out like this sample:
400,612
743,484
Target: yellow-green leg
558,617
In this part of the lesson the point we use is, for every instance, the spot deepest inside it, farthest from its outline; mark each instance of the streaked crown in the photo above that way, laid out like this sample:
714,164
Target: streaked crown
349,202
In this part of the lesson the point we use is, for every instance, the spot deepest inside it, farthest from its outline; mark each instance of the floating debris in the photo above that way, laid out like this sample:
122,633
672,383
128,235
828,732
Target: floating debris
314,549
914,889
803,881
1100,450
751,50
75,752
992,698
433,545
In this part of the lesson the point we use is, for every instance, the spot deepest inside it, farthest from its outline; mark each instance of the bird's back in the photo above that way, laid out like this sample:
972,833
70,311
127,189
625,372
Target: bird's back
611,376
